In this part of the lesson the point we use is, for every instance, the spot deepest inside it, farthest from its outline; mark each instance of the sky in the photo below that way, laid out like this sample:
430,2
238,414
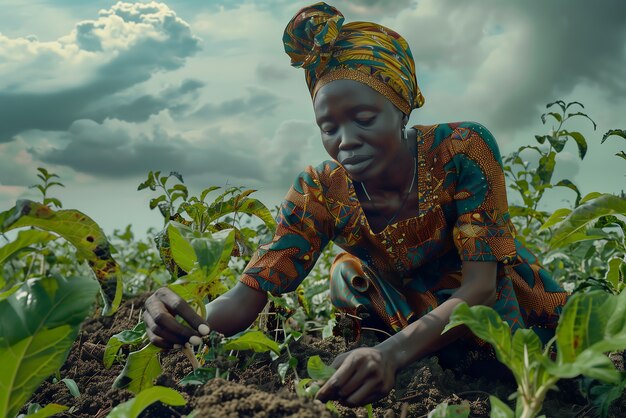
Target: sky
101,92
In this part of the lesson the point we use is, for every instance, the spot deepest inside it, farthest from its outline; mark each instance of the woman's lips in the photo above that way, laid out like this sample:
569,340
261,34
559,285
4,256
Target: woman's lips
356,163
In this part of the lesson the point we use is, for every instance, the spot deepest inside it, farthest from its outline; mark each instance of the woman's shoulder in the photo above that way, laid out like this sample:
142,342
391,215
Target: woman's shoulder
452,130
455,137
327,175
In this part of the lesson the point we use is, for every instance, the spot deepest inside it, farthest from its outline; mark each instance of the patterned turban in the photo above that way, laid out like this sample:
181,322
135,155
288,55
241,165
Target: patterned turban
317,40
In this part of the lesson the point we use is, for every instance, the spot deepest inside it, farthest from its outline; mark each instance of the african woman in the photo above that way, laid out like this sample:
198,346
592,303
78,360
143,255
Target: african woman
420,212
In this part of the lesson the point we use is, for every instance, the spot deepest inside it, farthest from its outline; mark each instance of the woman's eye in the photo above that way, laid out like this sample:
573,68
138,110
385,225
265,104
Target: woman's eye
366,121
328,130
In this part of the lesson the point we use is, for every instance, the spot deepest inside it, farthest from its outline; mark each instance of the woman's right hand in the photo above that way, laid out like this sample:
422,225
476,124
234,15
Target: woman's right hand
162,327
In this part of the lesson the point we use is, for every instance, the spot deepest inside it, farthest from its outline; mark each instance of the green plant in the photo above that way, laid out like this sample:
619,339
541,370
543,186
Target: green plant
40,321
46,183
593,232
531,181
75,227
134,407
591,324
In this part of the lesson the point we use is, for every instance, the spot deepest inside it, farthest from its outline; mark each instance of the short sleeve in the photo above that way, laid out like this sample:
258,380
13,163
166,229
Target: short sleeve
483,230
304,227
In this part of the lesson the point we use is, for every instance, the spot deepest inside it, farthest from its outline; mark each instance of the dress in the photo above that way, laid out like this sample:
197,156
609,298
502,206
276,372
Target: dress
415,264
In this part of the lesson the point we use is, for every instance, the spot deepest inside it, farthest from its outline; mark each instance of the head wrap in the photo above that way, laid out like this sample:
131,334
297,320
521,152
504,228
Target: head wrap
317,40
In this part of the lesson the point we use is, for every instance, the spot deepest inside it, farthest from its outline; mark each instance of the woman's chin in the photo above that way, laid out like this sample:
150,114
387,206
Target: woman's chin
358,171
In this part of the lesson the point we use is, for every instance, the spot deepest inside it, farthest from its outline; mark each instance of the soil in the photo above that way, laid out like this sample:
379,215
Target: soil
254,388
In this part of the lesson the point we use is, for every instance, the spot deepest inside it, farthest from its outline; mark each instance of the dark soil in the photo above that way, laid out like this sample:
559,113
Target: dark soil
256,390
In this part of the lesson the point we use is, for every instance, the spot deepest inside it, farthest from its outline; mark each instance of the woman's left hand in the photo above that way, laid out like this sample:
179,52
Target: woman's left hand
363,375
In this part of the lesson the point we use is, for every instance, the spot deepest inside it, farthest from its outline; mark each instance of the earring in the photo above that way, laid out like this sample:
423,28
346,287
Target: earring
405,135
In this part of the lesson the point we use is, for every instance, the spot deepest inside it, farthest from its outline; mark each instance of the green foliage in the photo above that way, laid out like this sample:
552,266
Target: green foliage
445,410
615,132
591,324
82,232
127,337
47,411
532,181
40,322
134,407
318,370
47,181
140,370
573,228
252,340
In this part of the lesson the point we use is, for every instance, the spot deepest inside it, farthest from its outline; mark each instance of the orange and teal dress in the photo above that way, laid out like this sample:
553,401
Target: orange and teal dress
409,268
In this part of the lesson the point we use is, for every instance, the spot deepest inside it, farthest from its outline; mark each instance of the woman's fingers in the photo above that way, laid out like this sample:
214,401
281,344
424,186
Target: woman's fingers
334,385
366,393
160,318
162,333
178,306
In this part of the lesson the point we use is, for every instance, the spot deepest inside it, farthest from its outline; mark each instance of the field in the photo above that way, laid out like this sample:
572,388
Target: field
74,346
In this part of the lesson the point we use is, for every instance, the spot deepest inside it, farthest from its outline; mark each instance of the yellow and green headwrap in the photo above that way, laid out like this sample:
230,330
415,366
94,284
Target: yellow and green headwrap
317,40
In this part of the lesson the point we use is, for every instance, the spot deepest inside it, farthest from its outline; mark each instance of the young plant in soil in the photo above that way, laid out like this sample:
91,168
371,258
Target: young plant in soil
41,312
592,324
196,245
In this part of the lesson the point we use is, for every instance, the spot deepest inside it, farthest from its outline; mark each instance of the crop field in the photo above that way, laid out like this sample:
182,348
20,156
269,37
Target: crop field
73,343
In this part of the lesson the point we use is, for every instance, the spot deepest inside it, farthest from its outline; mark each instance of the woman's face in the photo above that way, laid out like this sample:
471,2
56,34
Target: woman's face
361,128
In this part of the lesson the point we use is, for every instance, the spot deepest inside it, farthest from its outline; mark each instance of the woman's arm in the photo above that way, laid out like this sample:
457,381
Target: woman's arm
230,313
366,374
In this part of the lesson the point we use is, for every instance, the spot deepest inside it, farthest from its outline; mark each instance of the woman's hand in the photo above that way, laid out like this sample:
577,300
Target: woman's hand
363,375
160,318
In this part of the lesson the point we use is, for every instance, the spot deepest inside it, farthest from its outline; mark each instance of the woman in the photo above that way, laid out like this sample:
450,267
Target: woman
421,213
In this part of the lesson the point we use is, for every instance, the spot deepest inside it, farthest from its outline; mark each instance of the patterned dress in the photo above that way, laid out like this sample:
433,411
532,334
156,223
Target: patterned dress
409,268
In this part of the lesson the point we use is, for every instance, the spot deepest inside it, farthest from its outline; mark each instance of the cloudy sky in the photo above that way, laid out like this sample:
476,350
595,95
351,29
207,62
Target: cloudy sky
101,92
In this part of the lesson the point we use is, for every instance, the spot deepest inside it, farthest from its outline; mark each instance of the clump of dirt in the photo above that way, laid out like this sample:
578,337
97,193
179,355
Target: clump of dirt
221,398
254,388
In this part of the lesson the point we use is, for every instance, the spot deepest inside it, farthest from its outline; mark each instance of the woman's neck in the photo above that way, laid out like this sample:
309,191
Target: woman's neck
397,179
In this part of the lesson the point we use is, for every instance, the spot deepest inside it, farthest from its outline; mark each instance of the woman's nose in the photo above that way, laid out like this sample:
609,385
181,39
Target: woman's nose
349,138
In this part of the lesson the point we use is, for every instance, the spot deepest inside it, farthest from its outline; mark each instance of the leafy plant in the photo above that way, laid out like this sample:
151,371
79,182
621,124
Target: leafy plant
532,181
78,229
40,321
591,324
594,231
47,181
446,410
134,407
615,132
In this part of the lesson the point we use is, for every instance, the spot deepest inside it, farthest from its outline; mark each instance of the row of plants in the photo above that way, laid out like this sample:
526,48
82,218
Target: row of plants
205,243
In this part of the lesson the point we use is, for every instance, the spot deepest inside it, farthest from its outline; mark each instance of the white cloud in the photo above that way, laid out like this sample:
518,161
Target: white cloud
46,85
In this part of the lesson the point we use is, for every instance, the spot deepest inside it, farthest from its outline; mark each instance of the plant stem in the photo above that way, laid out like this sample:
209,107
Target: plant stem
191,356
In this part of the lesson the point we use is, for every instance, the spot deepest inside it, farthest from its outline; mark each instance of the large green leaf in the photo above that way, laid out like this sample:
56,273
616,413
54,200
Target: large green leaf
499,409
576,223
252,340
24,240
134,407
555,218
214,251
181,250
582,323
83,233
38,324
47,411
486,324
445,410
526,351
591,324
589,363
580,142
126,337
140,370
318,370
242,204
613,271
